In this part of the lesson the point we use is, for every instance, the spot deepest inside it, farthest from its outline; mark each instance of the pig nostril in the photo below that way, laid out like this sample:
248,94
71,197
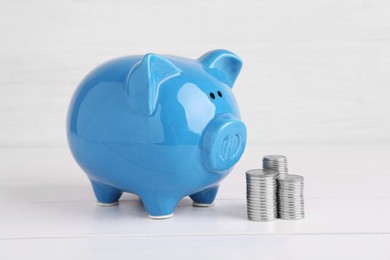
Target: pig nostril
224,152
235,146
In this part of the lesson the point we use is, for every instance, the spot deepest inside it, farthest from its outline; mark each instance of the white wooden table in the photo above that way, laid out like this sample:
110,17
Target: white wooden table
48,211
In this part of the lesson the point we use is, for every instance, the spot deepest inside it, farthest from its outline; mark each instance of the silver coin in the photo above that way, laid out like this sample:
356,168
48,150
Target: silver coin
259,195
252,206
284,206
270,182
289,196
261,219
264,177
256,186
262,199
289,199
264,191
290,202
291,193
289,213
264,182
290,205
291,210
259,172
270,191
261,210
283,184
295,213
274,158
292,188
265,218
286,199
260,203
261,214
286,216
269,197
258,206
259,186
262,196
292,178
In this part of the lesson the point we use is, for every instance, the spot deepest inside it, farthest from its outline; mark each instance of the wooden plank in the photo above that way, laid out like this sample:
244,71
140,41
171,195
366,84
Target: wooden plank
228,217
205,247
313,72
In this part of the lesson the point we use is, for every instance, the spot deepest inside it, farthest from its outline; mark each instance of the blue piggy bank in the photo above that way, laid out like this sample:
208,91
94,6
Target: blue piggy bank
161,127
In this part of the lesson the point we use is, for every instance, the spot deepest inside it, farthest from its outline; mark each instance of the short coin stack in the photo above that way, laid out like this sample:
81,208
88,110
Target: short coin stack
261,195
290,197
276,163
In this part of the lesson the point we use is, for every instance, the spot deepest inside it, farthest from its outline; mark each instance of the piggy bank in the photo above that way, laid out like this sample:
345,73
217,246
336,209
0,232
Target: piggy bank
161,127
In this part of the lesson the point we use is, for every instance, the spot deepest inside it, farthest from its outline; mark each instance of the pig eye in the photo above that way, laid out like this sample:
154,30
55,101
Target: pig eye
219,93
212,95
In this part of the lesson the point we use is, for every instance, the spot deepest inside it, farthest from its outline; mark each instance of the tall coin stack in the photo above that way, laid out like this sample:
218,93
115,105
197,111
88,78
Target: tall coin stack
290,197
261,195
276,163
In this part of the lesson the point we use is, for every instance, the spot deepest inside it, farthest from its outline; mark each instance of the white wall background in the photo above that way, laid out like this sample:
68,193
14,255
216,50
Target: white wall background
314,71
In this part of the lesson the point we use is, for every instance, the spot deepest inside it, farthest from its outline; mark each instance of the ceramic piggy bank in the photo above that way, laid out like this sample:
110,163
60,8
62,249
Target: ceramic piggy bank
160,127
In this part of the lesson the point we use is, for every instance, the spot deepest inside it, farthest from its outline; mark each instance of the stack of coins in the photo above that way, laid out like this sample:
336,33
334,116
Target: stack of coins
276,163
290,197
261,195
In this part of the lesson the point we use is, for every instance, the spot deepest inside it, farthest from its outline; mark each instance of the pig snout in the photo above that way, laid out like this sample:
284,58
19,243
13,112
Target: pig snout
223,143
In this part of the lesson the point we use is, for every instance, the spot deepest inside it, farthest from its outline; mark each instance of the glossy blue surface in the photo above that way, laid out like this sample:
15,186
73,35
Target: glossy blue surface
161,127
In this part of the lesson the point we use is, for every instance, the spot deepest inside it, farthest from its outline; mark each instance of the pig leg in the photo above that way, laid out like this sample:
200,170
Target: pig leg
159,206
205,198
106,195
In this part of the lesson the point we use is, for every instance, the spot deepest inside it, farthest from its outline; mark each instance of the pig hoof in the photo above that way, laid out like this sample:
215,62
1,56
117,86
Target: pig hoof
202,205
161,217
102,204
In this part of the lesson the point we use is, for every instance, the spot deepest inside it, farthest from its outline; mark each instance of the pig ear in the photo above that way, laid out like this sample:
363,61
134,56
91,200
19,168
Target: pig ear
143,82
222,64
